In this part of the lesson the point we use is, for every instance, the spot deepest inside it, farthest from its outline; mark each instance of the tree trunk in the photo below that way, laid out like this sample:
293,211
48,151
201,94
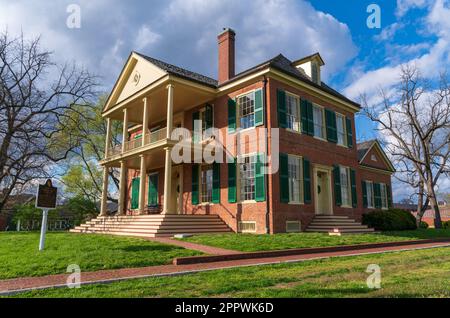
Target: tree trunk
434,207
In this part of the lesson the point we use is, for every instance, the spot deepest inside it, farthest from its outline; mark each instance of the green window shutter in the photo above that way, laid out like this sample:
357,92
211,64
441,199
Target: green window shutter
389,196
281,106
306,181
196,131
364,192
216,183
260,193
330,119
195,184
349,132
377,195
284,178
310,116
209,115
135,193
337,186
231,115
153,190
304,115
259,108
353,184
232,181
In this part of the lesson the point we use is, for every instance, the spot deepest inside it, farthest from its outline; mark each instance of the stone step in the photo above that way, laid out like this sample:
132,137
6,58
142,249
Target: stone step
331,217
334,222
155,228
368,230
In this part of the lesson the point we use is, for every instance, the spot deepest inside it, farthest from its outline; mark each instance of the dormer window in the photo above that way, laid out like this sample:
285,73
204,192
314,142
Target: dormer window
310,66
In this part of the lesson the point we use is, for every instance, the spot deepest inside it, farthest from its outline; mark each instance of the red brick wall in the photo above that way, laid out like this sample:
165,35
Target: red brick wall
317,151
379,163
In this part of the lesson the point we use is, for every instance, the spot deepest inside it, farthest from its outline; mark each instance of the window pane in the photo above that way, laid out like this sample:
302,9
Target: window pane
383,195
246,105
318,122
292,115
247,177
369,188
340,129
294,175
207,183
345,192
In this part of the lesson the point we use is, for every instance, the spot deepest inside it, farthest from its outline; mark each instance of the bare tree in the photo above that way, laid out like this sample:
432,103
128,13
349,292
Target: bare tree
35,96
415,122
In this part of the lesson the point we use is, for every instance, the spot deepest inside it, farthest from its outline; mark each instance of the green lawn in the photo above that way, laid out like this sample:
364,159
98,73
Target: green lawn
19,255
251,242
420,273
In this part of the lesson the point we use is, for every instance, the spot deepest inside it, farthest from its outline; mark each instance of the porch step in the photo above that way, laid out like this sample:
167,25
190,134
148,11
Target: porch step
328,223
154,225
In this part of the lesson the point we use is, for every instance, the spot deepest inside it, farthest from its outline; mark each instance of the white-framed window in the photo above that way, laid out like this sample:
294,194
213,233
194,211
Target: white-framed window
345,186
369,191
341,131
206,177
293,112
383,193
319,126
246,107
247,177
295,177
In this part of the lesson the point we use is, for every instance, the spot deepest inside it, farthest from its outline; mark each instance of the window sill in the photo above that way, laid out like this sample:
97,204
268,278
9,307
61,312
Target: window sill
320,138
206,203
343,146
294,131
346,206
248,202
295,203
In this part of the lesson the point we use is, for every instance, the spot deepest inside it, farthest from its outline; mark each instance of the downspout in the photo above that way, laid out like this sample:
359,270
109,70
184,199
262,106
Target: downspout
267,151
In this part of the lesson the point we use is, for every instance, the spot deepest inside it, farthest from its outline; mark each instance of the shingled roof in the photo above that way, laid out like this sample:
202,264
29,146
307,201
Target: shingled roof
175,70
279,62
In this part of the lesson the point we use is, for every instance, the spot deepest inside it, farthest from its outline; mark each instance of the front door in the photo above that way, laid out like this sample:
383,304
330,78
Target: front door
323,193
175,202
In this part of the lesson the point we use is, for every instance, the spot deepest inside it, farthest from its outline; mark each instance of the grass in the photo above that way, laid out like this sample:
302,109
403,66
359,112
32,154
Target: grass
420,273
19,255
251,242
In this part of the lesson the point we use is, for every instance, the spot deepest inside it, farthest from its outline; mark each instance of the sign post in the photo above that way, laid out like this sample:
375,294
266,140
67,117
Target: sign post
45,200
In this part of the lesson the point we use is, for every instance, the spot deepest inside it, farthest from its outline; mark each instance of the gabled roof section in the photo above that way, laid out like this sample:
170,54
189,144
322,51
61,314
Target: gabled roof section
315,56
141,70
175,70
366,147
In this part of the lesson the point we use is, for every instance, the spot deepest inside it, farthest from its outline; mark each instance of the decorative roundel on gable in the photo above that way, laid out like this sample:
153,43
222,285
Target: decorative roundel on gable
136,78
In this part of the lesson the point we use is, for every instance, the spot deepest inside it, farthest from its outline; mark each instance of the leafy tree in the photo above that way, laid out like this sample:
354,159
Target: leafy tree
37,100
80,208
83,175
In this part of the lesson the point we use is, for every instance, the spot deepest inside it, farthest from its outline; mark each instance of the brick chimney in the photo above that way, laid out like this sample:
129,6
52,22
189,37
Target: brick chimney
226,54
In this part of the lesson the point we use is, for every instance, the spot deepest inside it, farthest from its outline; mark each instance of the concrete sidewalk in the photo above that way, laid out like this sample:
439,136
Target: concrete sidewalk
104,276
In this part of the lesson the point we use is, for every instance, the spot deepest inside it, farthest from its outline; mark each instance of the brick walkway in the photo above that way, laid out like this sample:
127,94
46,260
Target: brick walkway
23,284
193,246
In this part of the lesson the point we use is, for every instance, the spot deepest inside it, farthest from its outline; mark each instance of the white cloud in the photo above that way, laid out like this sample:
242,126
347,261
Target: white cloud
430,63
388,32
145,37
403,6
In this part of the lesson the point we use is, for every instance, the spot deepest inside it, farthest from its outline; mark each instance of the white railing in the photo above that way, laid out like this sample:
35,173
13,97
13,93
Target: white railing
153,138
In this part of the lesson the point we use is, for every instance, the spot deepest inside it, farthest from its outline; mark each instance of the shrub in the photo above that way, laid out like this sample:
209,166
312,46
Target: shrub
423,225
446,225
390,220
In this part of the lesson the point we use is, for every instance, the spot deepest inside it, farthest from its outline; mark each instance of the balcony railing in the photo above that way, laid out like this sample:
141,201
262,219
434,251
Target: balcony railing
152,138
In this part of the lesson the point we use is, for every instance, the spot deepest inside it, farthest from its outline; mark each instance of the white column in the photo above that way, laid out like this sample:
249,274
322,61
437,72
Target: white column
122,188
108,136
169,110
145,114
125,129
104,202
142,185
167,181
168,162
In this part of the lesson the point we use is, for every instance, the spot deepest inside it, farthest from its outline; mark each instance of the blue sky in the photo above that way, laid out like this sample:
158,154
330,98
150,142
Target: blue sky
183,32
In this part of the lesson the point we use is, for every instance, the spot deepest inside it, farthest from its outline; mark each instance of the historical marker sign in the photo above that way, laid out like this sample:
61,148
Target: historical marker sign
46,198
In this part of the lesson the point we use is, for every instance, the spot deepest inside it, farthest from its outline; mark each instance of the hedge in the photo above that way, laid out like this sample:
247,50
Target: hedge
390,220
